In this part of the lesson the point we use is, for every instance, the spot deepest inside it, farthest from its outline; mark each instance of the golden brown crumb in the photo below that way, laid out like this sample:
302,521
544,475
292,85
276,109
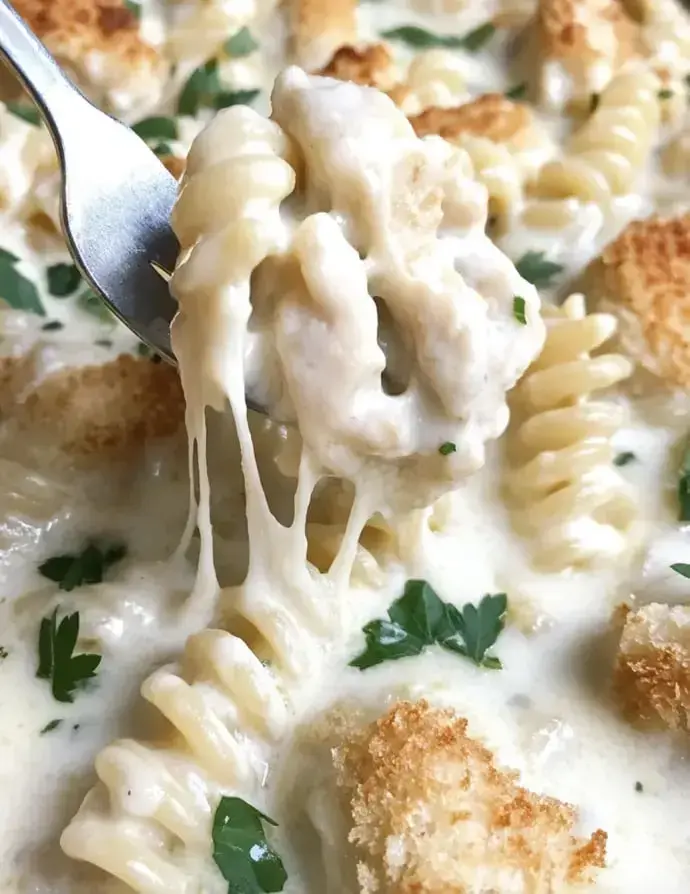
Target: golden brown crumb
652,673
318,27
491,116
572,30
371,66
644,278
175,165
431,813
101,412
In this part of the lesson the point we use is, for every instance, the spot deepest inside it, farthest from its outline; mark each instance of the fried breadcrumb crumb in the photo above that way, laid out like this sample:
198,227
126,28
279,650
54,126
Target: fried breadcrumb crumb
370,66
432,813
581,31
652,673
643,277
491,116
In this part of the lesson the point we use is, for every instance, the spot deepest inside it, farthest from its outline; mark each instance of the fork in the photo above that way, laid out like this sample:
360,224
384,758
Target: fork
116,195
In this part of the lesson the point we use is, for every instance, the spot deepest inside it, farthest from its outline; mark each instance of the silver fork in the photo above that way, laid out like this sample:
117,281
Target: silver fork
116,195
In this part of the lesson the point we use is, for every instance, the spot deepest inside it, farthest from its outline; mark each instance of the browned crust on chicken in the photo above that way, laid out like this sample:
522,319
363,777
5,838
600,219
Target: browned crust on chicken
644,278
431,812
370,66
318,27
491,116
652,672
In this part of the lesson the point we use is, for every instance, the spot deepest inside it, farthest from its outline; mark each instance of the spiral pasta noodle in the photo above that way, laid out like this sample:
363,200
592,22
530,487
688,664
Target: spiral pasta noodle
568,497
435,78
607,154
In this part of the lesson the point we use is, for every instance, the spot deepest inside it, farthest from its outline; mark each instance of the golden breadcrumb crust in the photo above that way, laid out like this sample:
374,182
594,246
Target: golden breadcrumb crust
175,165
95,412
370,66
318,27
644,278
491,116
652,672
432,814
71,28
567,29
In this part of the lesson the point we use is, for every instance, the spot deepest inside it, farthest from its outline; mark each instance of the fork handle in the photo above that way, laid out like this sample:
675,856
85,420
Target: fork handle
39,73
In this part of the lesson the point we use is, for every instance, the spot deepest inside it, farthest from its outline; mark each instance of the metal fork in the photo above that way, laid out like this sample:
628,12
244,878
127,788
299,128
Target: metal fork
116,196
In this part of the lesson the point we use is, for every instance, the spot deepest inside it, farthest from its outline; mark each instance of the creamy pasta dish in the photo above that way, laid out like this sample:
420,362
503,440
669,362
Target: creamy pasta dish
385,589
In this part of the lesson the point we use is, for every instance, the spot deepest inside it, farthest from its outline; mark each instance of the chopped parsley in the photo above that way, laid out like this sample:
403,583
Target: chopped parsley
201,88
236,98
419,618
242,43
681,568
87,567
639,787
52,326
623,459
447,448
134,8
162,149
56,662
519,310
420,38
158,127
28,113
665,93
93,304
684,486
63,280
18,291
534,267
3,653
594,102
49,727
240,849
519,91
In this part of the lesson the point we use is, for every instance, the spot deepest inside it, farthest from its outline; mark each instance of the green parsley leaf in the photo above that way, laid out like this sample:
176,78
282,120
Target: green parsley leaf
684,486
240,849
517,92
3,653
681,568
622,459
93,304
56,662
63,280
87,567
28,113
665,93
161,149
235,98
534,267
420,38
49,727
419,618
202,86
7,257
241,44
639,787
594,102
158,127
519,310
52,326
134,8
447,448
15,289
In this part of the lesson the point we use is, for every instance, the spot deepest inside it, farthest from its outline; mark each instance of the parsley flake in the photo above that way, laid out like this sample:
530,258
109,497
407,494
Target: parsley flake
63,280
519,91
420,38
681,568
639,787
86,567
242,43
684,486
93,304
49,727
519,307
594,102
623,459
201,88
3,653
52,326
158,127
447,448
419,618
534,267
240,849
134,8
235,98
665,93
16,290
56,662
28,113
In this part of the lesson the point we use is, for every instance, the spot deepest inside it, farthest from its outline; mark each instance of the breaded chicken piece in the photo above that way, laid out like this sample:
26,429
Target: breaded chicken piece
319,27
643,277
652,673
432,814
98,43
492,116
93,413
370,66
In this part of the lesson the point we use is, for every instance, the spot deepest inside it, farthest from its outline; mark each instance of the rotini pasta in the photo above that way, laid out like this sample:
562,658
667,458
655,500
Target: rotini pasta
435,78
569,498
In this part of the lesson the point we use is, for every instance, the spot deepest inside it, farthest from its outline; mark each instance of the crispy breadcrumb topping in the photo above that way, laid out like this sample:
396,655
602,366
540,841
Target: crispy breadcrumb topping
652,672
491,116
644,278
370,66
431,812
577,31
175,165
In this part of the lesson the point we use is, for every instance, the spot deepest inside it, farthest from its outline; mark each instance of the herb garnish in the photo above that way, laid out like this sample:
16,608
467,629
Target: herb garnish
18,291
681,568
134,8
622,459
665,93
56,643
639,787
684,486
49,727
91,303
447,448
241,852
594,102
236,98
158,127
519,310
534,267
3,653
86,567
63,280
241,44
421,38
517,92
419,618
28,113
200,90
52,326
